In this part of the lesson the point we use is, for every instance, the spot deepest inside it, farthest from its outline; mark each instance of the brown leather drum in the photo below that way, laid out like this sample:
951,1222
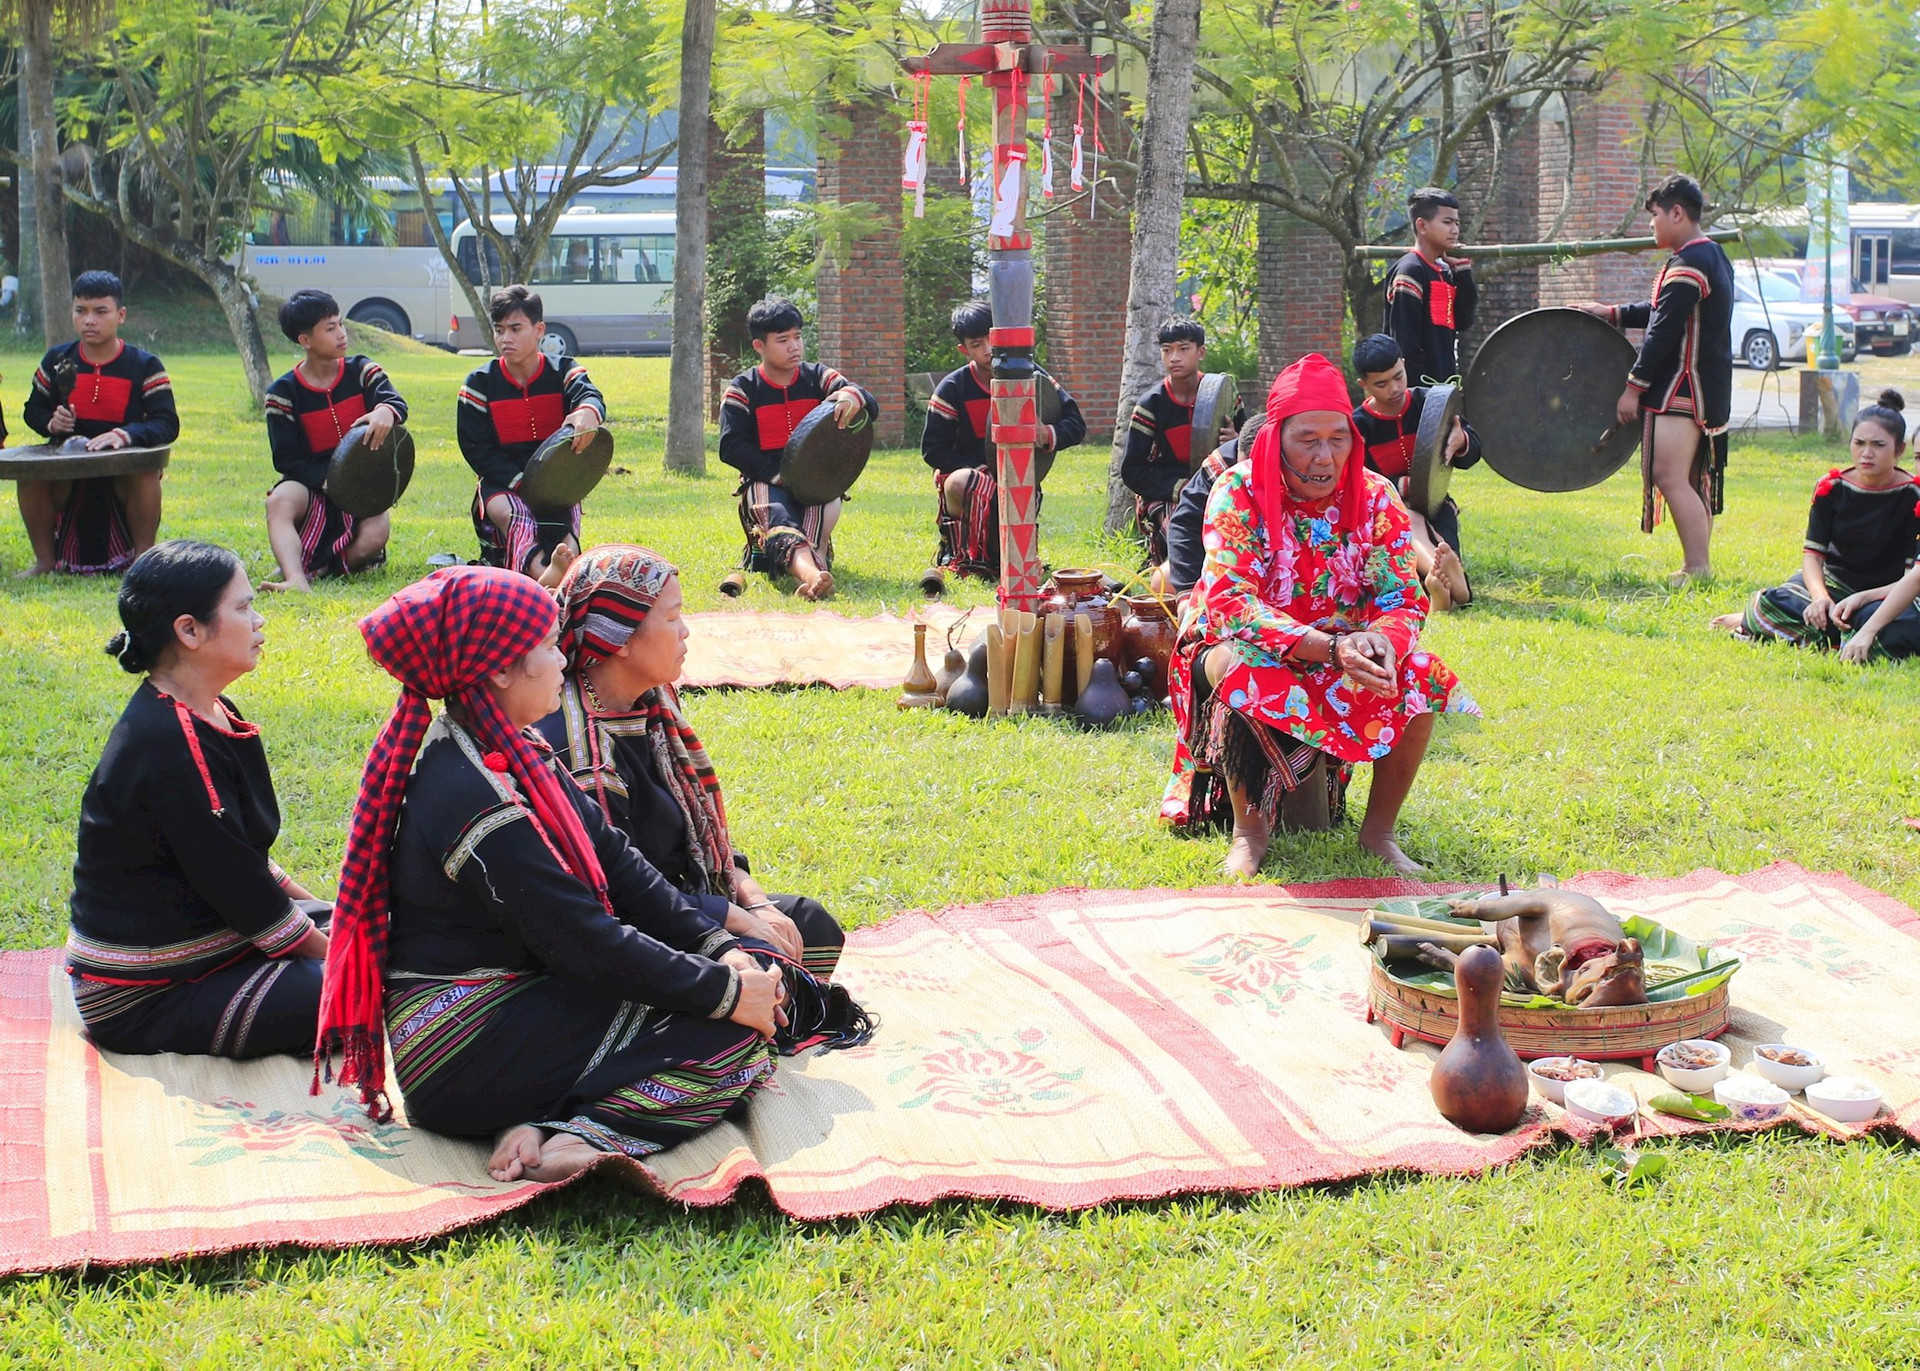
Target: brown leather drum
1429,472
1540,394
557,477
364,481
70,461
823,460
1213,407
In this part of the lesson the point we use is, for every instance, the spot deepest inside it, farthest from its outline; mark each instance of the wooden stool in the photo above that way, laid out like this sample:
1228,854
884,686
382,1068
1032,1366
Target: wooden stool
1307,807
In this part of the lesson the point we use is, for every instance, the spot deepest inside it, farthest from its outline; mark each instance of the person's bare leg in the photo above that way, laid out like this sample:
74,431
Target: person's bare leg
1392,782
816,582
1252,834
140,497
369,541
287,505
40,503
515,1153
953,492
1735,622
562,1155
1676,440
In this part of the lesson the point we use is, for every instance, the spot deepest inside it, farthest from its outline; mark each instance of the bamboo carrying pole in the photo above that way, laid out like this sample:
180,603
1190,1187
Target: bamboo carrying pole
1579,247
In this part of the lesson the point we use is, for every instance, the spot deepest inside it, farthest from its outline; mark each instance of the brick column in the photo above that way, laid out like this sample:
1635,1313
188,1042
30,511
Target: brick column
862,312
1089,267
736,223
1590,163
1502,205
1301,291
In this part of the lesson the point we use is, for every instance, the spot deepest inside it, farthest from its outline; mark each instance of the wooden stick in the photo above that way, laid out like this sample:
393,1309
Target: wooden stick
1414,923
1389,934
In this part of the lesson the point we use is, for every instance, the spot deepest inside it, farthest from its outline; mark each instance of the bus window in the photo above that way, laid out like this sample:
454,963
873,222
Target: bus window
644,258
564,261
658,248
469,252
1906,251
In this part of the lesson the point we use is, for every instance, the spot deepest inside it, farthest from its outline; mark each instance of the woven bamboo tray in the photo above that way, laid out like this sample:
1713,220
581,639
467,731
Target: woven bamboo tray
1618,1033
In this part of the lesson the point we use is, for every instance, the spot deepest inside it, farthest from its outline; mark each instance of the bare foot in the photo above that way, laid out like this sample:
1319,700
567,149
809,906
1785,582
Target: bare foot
1247,850
561,1156
1388,851
516,1152
1732,623
36,569
1447,563
557,565
819,588
291,586
1687,575
1439,593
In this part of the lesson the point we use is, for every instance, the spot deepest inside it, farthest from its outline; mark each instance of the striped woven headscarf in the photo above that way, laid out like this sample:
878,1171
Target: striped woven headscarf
604,598
440,638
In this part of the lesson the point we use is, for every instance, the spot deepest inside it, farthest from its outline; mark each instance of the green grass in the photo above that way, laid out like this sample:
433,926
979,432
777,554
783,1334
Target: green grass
1619,733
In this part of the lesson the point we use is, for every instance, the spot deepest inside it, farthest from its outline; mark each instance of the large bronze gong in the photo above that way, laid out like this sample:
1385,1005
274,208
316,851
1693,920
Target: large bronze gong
1541,394
69,460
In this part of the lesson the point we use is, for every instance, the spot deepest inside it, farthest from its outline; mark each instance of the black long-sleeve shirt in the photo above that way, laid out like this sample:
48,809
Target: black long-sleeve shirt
305,422
1688,343
501,422
131,391
476,887
1429,305
960,422
168,884
1390,440
1187,524
1160,443
757,417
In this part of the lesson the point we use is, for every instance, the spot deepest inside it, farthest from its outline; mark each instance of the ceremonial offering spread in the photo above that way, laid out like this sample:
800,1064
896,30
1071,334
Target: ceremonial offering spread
1550,1075
1751,1099
1693,1066
1787,1067
1600,1102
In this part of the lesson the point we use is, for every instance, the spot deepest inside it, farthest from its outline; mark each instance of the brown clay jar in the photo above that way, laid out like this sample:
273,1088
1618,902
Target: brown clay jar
1478,1083
1148,631
1074,591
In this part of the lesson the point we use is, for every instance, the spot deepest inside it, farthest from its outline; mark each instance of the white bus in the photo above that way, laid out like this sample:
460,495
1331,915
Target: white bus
1886,244
605,280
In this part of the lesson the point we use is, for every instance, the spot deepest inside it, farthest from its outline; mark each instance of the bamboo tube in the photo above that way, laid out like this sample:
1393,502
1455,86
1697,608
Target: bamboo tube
999,669
1083,652
1052,663
1026,666
1584,247
1414,923
1386,933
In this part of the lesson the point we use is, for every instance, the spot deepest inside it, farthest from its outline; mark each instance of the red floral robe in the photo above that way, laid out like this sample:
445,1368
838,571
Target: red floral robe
1262,594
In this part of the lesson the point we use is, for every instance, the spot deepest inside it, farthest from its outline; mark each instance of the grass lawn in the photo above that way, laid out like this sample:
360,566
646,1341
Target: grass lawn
1619,733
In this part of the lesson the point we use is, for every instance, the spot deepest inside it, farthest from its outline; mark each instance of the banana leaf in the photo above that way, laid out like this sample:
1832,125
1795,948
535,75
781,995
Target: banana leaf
1676,966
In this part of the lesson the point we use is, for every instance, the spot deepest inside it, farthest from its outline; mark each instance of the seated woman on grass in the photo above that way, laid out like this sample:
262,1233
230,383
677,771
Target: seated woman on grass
536,979
186,936
1863,531
1303,633
621,732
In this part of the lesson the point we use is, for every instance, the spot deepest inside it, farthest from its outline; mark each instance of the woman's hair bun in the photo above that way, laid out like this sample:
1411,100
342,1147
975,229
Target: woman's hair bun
1891,399
123,650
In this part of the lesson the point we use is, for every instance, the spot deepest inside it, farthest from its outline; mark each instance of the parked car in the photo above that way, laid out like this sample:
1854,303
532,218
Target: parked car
1881,323
1770,320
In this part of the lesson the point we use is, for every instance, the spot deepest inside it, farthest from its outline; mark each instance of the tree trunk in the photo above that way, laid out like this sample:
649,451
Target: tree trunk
476,295
36,112
1366,301
26,261
1159,193
686,412
241,307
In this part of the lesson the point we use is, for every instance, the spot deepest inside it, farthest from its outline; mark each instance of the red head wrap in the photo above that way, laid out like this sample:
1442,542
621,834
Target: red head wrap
440,638
1310,385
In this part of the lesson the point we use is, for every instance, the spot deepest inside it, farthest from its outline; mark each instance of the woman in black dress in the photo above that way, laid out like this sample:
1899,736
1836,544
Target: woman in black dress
186,936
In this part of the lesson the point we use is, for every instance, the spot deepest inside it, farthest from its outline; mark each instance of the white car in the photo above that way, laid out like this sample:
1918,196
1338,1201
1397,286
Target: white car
1770,320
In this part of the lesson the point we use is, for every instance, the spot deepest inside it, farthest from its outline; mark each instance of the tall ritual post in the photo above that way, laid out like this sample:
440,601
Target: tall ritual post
1009,61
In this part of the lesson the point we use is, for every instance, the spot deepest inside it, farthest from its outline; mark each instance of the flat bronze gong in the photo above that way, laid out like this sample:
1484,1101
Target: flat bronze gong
1049,409
69,460
364,481
1213,407
1429,471
1541,395
557,477
823,460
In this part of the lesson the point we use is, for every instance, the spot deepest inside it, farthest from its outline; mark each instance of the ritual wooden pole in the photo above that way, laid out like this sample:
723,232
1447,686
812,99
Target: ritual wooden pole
1008,60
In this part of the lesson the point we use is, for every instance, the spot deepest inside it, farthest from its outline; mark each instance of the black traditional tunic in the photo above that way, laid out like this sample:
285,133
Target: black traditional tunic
1187,524
756,420
1429,305
181,927
1158,458
1390,443
1685,364
513,997
615,763
305,423
958,438
132,392
500,424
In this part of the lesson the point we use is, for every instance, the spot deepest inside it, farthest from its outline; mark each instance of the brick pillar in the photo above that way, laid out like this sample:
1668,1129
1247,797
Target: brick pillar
1590,166
862,309
736,223
1089,267
1502,205
1301,291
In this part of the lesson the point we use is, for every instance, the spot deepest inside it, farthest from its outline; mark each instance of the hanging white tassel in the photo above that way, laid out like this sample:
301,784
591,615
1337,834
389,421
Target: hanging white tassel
913,172
1006,195
1046,163
1077,173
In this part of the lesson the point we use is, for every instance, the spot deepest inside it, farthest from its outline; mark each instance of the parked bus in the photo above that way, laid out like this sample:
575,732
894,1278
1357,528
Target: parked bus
1886,244
606,281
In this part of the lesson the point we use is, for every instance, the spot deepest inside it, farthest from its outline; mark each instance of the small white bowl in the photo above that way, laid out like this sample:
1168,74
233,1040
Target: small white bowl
1788,1078
1547,1086
1751,1099
1851,1107
1695,1080
1601,1102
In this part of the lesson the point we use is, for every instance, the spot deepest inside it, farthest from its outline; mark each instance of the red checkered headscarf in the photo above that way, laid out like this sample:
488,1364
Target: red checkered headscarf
1312,384
440,638
605,597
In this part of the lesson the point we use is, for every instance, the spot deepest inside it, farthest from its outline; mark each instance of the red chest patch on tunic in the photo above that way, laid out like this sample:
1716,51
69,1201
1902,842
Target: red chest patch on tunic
100,399
1180,441
1392,459
1440,302
529,420
778,420
980,416
326,427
